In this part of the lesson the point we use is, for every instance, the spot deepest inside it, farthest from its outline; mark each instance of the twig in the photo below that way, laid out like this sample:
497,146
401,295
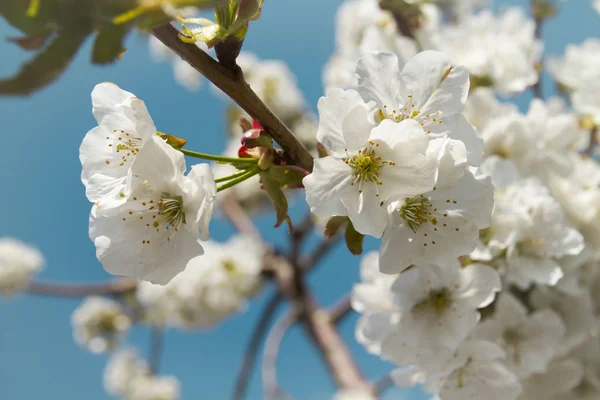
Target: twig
231,81
298,236
260,331
320,251
591,147
238,217
341,309
114,287
272,346
382,384
539,21
157,341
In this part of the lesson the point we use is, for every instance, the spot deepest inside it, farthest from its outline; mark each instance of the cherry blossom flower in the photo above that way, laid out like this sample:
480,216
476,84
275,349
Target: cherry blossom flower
156,232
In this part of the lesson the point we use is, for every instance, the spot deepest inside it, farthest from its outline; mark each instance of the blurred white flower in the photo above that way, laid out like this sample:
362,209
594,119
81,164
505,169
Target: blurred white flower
530,341
99,324
349,394
502,50
18,263
438,310
184,73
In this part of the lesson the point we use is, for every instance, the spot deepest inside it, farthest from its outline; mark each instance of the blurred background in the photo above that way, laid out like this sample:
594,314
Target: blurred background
44,204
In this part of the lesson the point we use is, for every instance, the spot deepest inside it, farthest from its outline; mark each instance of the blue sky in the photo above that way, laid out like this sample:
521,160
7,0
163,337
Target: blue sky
44,204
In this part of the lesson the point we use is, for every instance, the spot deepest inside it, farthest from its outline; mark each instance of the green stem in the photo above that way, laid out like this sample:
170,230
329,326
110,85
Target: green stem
223,159
230,177
241,178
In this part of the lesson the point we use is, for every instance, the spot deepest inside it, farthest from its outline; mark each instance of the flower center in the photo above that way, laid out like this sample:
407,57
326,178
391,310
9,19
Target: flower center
437,301
416,211
125,144
170,208
367,165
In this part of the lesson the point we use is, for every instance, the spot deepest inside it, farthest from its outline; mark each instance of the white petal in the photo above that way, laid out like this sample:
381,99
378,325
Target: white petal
327,185
379,79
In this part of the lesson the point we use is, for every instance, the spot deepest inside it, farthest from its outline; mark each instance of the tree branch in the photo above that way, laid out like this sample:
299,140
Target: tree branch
238,217
231,81
382,384
114,287
341,309
539,20
260,331
271,388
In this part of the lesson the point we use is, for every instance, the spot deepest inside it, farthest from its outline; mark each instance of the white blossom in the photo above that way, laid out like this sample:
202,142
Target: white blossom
122,368
18,263
441,223
560,378
530,341
156,232
149,387
502,50
374,300
578,67
108,151
430,90
368,166
349,394
99,324
213,286
438,310
184,73
474,372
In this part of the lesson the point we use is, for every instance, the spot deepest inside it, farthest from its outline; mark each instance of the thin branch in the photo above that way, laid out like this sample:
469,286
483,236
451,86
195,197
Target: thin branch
238,217
382,384
231,81
298,236
539,21
260,331
157,341
320,251
341,309
591,147
271,388
114,287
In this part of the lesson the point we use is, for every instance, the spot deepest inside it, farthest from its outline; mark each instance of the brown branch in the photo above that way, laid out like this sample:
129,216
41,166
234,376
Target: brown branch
260,331
382,384
539,21
237,216
114,287
591,147
341,309
231,81
320,251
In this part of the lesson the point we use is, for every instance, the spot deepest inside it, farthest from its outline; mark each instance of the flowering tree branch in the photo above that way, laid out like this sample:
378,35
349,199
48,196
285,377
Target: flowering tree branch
231,81
271,354
114,287
382,384
259,332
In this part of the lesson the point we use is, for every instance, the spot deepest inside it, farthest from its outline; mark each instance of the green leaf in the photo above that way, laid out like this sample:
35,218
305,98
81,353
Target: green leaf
108,45
278,198
334,225
287,176
46,66
354,240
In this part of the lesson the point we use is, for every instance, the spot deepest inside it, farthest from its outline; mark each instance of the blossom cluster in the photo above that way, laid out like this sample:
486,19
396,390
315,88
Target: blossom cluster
483,287
148,215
